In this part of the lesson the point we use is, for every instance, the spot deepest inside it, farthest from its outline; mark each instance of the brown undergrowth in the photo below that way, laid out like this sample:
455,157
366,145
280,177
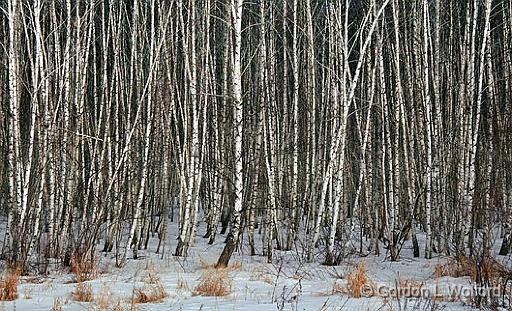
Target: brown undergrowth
9,284
152,292
83,293
359,283
85,267
214,282
486,269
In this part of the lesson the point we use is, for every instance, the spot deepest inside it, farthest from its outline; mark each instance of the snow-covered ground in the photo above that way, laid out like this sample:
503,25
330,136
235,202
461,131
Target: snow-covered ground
286,284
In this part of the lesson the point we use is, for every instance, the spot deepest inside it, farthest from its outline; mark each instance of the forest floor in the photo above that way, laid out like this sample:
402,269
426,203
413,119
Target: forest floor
252,284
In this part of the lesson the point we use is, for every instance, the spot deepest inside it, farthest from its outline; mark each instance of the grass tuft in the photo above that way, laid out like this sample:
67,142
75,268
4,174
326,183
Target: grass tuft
156,293
9,285
152,292
488,269
214,282
358,281
83,293
438,271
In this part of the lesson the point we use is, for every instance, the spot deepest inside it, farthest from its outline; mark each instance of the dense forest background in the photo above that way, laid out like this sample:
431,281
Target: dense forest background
319,126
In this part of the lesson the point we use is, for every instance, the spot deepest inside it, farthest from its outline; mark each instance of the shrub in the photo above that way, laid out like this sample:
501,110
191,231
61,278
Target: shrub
214,282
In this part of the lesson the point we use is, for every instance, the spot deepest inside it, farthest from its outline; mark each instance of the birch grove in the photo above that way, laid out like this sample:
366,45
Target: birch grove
319,127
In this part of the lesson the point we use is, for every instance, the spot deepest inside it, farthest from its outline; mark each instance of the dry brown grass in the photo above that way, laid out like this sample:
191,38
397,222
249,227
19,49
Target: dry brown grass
438,271
357,280
459,267
152,292
83,293
214,282
9,285
84,267
490,269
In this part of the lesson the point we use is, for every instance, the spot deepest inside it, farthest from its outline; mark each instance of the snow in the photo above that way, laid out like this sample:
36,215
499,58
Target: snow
286,284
